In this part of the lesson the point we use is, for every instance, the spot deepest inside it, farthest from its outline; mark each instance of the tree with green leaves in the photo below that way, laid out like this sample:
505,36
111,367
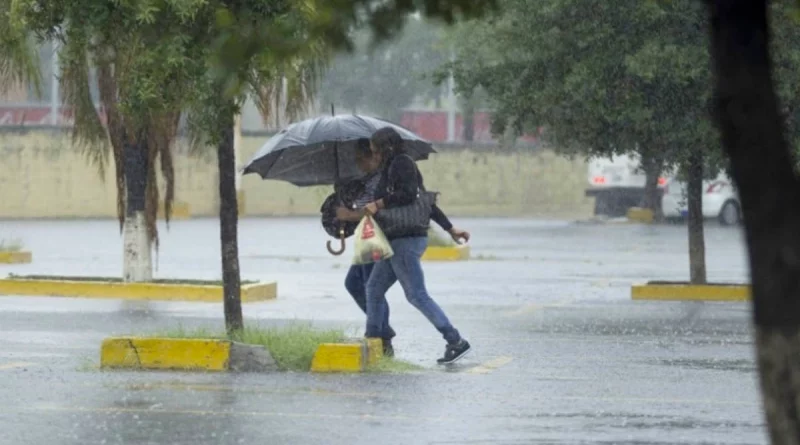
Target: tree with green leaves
153,63
750,43
143,65
605,78
268,75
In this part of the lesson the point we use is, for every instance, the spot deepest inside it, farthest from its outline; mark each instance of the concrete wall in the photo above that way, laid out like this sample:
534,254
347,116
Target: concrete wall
42,175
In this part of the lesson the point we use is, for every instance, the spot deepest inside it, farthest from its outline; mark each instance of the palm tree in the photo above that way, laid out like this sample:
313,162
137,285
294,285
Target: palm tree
19,64
142,64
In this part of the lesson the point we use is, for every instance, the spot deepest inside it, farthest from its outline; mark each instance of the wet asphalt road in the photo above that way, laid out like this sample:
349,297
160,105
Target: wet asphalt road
561,354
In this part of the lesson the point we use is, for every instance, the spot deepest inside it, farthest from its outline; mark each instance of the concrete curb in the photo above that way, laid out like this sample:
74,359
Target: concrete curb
17,257
455,253
21,286
355,356
661,291
184,354
640,215
180,210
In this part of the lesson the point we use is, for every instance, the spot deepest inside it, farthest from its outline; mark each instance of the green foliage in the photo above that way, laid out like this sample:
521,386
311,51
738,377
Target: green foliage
20,63
292,347
606,77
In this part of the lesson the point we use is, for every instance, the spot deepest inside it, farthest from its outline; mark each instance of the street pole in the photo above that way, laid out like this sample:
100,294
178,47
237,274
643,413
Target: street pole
55,100
451,105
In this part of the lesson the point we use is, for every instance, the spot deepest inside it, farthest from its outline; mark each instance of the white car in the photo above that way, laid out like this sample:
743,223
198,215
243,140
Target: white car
720,200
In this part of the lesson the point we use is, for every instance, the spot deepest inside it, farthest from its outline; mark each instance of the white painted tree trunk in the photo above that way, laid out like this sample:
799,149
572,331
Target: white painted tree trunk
137,262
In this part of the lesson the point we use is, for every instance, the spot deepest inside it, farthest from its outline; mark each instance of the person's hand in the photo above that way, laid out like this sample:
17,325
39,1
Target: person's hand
371,208
342,213
458,235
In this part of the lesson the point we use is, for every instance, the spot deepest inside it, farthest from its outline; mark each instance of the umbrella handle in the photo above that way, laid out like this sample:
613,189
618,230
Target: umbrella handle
341,246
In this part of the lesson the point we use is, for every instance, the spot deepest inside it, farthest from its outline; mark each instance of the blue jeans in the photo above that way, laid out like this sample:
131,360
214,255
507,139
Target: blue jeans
356,284
405,267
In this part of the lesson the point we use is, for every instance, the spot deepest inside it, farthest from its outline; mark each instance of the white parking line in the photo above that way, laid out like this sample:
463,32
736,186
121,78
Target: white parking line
528,308
15,365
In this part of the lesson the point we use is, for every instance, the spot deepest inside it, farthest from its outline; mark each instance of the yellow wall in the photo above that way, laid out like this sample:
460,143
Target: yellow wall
43,176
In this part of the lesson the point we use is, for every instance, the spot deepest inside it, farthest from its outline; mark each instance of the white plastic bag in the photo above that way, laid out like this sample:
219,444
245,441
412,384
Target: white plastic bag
371,244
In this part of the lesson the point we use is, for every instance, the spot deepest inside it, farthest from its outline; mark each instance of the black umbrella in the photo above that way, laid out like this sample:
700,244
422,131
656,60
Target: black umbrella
321,151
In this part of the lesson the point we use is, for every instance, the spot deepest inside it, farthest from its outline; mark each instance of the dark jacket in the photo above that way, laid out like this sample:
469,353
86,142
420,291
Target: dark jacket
398,187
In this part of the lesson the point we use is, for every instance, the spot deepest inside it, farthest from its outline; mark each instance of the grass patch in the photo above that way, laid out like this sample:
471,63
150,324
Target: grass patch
393,366
292,347
120,280
10,245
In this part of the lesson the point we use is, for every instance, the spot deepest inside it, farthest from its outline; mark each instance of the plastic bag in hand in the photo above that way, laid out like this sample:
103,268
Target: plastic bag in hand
371,244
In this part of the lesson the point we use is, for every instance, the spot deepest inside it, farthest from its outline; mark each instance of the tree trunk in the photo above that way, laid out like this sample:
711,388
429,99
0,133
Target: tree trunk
137,261
228,222
697,244
652,194
748,117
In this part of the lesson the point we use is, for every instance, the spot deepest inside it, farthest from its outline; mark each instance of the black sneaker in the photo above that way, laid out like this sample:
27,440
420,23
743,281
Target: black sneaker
388,350
453,353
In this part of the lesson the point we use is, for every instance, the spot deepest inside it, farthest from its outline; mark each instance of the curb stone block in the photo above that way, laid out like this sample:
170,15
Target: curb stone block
131,291
640,215
16,257
455,253
183,354
690,292
354,356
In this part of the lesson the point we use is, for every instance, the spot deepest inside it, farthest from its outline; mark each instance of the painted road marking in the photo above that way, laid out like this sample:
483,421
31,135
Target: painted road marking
529,308
15,365
491,365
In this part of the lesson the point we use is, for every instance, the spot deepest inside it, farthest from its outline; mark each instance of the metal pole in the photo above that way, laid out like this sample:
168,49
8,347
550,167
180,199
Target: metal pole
451,105
55,100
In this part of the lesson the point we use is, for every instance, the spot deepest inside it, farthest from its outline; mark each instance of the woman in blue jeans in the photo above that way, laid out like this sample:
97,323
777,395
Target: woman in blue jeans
358,275
399,185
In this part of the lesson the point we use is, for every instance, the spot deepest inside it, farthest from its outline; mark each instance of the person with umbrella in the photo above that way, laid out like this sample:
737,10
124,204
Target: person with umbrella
401,187
358,275
321,151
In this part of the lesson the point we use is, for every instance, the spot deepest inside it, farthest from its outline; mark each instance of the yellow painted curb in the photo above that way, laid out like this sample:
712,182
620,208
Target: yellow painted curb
640,215
165,353
132,291
436,253
17,257
687,292
347,357
180,210
240,202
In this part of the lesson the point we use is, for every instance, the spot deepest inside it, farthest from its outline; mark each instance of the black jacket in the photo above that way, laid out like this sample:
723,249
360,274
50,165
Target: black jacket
398,187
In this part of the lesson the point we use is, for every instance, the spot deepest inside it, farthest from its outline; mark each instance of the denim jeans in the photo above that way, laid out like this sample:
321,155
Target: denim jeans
405,267
356,284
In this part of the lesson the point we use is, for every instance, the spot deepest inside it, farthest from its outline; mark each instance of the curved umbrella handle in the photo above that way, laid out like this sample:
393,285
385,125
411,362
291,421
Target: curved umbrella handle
341,246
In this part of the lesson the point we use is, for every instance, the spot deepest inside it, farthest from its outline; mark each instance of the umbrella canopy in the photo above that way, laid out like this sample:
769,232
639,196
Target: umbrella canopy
321,151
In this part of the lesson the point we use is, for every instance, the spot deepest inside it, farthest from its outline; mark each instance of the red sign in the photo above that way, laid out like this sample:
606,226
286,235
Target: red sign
368,230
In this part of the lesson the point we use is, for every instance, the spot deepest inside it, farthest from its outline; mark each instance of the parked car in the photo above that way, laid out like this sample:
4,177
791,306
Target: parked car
616,184
720,200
